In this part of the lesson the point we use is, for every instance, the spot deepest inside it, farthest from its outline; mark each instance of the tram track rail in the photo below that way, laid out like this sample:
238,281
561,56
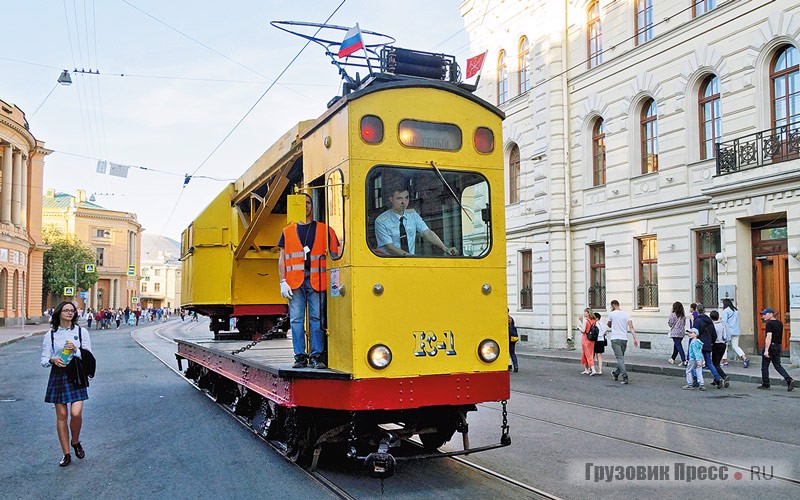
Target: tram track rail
598,433
317,477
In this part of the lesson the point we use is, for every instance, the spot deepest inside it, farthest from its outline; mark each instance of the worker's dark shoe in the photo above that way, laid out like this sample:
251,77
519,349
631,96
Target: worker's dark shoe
300,361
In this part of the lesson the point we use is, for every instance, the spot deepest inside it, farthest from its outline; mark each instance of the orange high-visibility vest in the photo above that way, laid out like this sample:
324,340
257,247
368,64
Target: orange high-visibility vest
294,258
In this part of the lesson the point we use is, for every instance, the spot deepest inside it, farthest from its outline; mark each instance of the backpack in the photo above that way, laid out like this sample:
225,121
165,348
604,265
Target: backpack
594,332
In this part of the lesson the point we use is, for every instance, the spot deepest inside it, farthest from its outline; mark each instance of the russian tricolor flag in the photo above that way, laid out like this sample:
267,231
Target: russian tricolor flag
351,43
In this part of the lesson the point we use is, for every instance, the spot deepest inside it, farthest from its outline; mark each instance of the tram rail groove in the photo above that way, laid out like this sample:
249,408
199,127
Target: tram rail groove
692,456
650,417
315,475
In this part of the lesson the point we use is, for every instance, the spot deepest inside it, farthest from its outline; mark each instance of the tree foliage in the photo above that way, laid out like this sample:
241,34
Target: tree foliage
65,255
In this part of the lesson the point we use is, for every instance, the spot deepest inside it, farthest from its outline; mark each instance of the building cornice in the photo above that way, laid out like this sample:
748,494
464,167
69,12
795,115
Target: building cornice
16,127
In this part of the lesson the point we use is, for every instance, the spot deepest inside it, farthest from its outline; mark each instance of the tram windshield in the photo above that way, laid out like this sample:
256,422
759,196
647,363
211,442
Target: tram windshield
417,212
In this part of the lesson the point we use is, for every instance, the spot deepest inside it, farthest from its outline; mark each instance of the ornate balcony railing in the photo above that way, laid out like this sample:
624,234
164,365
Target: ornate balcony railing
707,292
762,148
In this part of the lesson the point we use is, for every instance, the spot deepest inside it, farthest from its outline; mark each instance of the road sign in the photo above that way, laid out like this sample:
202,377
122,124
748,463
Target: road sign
83,295
88,268
69,291
135,300
131,270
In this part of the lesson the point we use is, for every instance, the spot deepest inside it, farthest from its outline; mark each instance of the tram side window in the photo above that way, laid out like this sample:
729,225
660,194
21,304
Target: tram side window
443,216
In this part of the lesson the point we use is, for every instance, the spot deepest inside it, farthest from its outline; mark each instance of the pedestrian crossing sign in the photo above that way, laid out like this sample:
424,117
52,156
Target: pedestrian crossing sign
88,268
69,291
135,300
131,270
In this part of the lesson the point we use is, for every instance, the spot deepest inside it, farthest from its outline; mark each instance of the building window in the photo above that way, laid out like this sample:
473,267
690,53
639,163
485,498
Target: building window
700,7
523,65
99,252
526,291
598,153
594,35
785,88
647,291
597,276
156,272
144,287
156,287
710,117
15,292
648,125
644,21
502,78
513,175
707,286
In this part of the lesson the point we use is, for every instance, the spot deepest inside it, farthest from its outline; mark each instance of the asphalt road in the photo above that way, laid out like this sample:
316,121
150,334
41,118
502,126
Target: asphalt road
147,434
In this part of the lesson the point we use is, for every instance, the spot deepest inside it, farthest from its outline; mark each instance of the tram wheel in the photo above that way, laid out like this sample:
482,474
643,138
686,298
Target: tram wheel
435,440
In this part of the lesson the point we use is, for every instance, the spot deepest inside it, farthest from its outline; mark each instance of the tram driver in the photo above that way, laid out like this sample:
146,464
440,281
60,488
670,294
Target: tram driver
396,229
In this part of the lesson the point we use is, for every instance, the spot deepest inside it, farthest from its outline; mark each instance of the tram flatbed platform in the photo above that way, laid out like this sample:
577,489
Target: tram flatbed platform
274,356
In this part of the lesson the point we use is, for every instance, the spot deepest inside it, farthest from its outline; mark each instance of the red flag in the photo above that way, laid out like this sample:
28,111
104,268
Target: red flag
474,65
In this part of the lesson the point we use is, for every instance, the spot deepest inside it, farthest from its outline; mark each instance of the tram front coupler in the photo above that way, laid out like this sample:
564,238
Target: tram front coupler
380,464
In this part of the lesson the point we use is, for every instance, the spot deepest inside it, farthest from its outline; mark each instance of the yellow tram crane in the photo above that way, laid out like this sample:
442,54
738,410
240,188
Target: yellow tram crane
420,338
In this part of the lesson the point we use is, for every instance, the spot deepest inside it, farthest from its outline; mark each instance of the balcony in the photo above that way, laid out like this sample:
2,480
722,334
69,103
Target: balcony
756,150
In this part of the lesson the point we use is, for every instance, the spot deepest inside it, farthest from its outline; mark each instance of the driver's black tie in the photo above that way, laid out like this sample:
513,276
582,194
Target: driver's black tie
403,236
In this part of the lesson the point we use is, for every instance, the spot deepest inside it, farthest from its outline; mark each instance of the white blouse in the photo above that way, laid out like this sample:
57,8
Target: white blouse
59,340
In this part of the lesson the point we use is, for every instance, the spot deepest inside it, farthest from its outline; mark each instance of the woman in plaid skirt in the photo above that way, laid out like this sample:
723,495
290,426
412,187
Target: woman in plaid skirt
59,346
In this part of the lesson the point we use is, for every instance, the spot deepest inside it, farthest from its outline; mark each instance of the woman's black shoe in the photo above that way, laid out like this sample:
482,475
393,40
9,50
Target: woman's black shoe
65,461
79,450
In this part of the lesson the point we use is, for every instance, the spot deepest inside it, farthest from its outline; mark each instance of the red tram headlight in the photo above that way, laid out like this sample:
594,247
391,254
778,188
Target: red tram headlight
488,351
371,129
379,356
484,140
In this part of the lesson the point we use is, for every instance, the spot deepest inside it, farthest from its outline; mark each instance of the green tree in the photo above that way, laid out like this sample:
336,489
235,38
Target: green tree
65,255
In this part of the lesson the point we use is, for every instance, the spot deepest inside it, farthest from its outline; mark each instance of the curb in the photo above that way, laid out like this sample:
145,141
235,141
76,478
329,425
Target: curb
20,337
670,371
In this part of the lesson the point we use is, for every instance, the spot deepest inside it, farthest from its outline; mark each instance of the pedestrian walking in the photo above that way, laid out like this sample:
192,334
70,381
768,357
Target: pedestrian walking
620,322
65,341
600,343
719,347
513,337
677,329
694,363
730,317
773,341
588,338
707,335
89,318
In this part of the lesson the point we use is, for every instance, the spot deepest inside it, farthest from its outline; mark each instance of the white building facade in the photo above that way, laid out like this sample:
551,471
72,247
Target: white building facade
653,156
161,272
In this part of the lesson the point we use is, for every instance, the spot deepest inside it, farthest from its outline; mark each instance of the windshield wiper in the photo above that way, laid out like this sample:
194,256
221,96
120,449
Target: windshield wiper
452,193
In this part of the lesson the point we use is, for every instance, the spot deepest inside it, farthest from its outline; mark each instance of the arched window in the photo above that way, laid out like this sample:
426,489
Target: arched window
710,117
523,64
649,137
502,78
644,21
785,88
3,288
15,292
598,153
594,35
513,175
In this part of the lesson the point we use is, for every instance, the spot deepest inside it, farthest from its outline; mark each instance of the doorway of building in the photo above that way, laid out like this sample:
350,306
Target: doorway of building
771,276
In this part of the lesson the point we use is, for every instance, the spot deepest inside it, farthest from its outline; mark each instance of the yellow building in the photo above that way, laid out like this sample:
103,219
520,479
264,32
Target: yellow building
21,252
113,236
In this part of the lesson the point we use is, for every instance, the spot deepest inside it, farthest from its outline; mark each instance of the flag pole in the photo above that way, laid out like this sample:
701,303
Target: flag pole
364,48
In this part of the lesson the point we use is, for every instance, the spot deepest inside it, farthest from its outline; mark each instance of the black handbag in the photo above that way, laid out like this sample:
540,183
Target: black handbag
79,369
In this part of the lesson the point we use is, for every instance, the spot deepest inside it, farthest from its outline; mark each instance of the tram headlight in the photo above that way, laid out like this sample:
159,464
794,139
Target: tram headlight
379,356
488,351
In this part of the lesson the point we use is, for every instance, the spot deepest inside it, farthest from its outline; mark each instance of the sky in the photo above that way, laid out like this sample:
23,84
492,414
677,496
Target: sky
193,69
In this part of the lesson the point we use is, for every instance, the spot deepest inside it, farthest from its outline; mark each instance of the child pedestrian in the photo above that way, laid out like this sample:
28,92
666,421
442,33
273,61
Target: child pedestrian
695,361
719,347
600,344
